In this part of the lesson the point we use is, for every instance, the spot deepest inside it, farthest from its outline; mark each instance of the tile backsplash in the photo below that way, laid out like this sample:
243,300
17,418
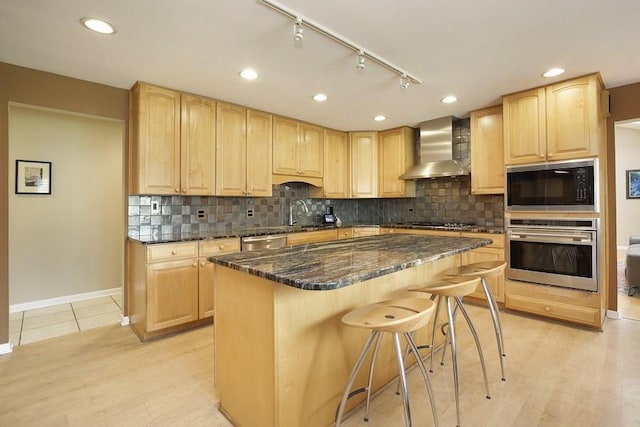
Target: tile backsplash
439,199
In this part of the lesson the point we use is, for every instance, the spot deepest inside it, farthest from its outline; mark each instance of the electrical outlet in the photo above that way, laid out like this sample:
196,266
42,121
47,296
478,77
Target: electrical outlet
200,213
155,208
249,213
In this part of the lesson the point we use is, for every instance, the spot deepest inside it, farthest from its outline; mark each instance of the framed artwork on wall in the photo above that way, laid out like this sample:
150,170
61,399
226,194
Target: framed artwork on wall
633,184
33,177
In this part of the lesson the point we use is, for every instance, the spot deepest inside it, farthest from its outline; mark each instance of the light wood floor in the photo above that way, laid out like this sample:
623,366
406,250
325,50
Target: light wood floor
557,375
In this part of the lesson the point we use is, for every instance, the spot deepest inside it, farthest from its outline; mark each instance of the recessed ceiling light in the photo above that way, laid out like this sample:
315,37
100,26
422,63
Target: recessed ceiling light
450,99
552,72
320,97
98,25
379,118
249,74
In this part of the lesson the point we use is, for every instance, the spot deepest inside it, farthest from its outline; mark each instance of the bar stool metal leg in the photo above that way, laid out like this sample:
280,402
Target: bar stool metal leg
495,317
371,370
352,377
403,379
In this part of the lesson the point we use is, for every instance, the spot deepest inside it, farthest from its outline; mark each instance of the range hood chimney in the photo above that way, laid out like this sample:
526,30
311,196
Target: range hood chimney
435,151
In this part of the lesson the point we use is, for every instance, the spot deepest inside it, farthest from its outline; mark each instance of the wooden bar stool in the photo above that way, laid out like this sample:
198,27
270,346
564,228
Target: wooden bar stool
483,270
452,289
398,316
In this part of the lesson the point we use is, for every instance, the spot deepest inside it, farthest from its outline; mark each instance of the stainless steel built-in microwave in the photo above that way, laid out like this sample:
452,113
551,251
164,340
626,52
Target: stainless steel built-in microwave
553,186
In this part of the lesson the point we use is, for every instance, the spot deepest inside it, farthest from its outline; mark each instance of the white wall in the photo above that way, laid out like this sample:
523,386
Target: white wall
627,158
72,241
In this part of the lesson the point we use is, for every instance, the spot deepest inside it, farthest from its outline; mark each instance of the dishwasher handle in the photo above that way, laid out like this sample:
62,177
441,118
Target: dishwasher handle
272,241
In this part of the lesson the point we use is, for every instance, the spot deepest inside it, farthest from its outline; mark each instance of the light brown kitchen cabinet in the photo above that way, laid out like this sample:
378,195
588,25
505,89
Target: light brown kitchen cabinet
525,127
562,121
163,286
170,285
487,151
336,175
243,152
298,151
172,142
395,155
573,118
206,277
364,164
493,252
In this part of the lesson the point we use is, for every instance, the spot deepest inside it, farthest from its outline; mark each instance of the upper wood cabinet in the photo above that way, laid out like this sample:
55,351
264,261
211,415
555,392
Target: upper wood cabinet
172,142
525,127
364,164
487,151
395,154
336,181
243,152
298,151
558,122
573,118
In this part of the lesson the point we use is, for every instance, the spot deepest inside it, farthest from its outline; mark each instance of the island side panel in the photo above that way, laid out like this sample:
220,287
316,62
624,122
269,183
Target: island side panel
244,351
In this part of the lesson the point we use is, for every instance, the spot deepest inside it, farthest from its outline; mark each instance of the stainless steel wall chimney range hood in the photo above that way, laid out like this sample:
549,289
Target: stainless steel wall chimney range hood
435,151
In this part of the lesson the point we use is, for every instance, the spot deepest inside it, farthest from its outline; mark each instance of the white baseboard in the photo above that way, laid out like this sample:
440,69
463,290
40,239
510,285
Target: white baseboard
63,300
124,321
5,348
612,314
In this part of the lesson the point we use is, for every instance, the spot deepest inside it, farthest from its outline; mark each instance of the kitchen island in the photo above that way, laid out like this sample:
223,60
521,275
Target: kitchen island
282,356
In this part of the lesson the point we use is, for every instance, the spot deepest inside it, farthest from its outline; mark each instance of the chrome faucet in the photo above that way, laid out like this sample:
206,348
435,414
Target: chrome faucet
292,205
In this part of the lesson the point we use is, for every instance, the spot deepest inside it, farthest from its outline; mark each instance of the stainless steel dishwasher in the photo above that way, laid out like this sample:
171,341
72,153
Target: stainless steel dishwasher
255,243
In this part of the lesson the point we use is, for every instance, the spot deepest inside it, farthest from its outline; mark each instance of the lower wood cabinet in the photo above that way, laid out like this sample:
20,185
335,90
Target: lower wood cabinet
171,286
312,236
570,305
493,252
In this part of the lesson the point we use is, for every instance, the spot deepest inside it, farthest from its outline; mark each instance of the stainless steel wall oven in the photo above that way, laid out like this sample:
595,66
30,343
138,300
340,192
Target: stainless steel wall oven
560,252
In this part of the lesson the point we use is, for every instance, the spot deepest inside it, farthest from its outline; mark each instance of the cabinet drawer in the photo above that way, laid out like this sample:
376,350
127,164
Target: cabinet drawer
365,231
219,246
170,251
312,237
555,310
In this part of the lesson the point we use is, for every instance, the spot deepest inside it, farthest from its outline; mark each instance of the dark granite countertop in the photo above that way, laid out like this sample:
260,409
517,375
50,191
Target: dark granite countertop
261,231
333,265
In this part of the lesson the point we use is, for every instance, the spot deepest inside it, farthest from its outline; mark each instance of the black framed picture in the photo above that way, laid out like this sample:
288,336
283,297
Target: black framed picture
633,184
33,177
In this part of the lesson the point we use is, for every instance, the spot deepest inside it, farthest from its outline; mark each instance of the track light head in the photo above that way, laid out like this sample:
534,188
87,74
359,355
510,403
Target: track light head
360,65
298,31
404,81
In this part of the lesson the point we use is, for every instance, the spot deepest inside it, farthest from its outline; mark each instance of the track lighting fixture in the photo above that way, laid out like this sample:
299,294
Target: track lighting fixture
360,64
298,35
298,31
404,81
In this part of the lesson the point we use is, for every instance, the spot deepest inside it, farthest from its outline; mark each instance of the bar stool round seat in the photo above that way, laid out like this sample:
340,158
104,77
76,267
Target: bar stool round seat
452,289
484,270
397,316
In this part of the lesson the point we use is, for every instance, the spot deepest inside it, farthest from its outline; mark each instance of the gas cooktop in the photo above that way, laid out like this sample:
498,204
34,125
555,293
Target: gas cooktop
454,225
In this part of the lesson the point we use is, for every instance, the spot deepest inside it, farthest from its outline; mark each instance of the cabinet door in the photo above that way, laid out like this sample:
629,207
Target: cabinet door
336,165
364,164
172,293
206,272
197,145
487,151
573,119
311,150
259,149
231,150
524,127
395,148
155,125
285,146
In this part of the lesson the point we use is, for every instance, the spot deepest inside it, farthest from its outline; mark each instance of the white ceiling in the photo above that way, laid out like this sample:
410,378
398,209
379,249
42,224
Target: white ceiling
477,50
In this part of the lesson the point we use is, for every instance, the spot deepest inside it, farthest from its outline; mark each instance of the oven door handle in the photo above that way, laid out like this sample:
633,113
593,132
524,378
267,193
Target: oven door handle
586,238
